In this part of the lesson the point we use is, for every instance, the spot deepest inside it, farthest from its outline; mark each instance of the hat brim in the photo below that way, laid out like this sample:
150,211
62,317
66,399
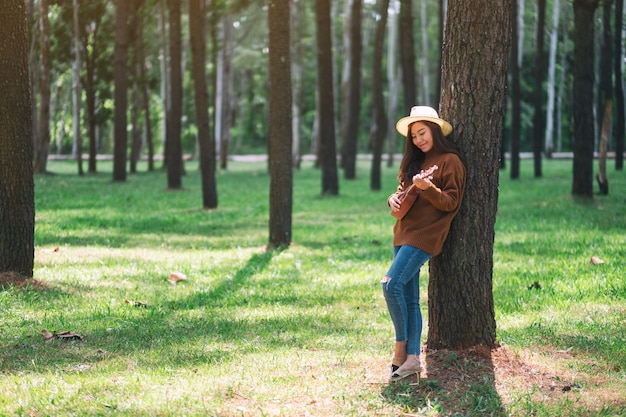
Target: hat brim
403,124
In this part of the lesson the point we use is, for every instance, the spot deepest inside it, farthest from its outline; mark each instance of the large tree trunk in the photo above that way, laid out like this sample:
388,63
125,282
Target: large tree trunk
619,87
461,307
516,95
538,99
605,102
584,11
379,118
280,135
352,91
173,143
43,130
17,199
327,147
121,86
197,26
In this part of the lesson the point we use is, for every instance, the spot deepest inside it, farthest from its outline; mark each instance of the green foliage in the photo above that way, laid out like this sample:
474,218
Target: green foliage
304,330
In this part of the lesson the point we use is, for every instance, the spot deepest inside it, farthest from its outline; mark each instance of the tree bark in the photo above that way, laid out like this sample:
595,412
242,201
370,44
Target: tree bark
280,133
461,307
327,147
121,86
17,199
584,11
197,25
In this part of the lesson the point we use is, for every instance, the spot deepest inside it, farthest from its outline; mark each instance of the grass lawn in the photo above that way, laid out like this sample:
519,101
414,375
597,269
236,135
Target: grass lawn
304,331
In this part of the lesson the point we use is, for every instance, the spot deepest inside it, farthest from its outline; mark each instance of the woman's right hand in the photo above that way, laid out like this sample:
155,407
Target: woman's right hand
394,202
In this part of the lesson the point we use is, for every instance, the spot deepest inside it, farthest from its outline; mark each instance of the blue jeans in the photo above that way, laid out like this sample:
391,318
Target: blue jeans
402,294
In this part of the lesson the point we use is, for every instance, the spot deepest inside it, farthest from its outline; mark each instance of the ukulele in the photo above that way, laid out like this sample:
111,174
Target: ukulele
407,198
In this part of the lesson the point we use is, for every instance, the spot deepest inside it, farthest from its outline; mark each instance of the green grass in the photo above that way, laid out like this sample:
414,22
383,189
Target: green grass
305,330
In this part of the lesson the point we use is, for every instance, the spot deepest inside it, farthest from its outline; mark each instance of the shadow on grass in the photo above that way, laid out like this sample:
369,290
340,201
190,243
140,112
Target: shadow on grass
452,383
201,328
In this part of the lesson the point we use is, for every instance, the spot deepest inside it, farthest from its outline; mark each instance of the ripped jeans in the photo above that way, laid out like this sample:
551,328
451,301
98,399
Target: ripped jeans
402,294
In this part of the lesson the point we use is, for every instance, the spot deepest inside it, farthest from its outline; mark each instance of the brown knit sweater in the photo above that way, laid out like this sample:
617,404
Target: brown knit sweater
427,223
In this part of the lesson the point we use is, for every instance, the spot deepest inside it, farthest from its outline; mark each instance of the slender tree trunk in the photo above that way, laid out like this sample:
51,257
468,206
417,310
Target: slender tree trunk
352,91
327,151
173,144
425,56
407,57
43,130
33,35
516,95
77,90
619,87
461,306
280,134
121,87
297,74
197,30
538,118
166,95
225,90
90,98
605,105
393,77
17,189
379,118
603,181
554,36
584,11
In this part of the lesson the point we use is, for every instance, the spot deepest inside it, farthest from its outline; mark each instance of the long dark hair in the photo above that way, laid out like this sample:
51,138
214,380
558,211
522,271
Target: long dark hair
414,157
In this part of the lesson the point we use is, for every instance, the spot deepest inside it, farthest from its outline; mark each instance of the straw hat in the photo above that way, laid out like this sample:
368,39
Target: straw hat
422,113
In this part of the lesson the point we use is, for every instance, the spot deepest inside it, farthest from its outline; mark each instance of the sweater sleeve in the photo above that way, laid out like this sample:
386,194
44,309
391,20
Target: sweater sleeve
450,182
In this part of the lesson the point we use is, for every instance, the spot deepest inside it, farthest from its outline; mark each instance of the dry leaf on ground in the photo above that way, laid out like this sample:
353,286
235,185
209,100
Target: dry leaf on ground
175,277
596,261
49,336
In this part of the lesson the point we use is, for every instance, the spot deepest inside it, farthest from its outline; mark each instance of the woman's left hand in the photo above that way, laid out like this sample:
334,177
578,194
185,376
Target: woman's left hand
422,183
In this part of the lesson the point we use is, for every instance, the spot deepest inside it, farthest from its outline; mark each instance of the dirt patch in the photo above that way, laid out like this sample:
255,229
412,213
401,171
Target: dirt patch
13,279
500,377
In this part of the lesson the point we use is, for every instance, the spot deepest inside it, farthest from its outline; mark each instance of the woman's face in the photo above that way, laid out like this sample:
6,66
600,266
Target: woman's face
421,136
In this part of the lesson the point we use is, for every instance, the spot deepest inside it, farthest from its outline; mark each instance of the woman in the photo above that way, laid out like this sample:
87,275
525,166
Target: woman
431,170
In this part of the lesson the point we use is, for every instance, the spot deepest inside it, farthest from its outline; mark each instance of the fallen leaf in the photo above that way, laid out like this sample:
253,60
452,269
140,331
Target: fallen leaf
175,277
62,335
596,261
47,335
136,303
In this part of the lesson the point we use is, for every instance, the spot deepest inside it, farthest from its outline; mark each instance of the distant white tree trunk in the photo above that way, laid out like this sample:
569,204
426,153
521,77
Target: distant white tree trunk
425,93
551,79
559,100
393,77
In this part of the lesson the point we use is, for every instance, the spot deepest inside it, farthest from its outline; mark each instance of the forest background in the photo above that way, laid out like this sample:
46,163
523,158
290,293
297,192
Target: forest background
236,33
